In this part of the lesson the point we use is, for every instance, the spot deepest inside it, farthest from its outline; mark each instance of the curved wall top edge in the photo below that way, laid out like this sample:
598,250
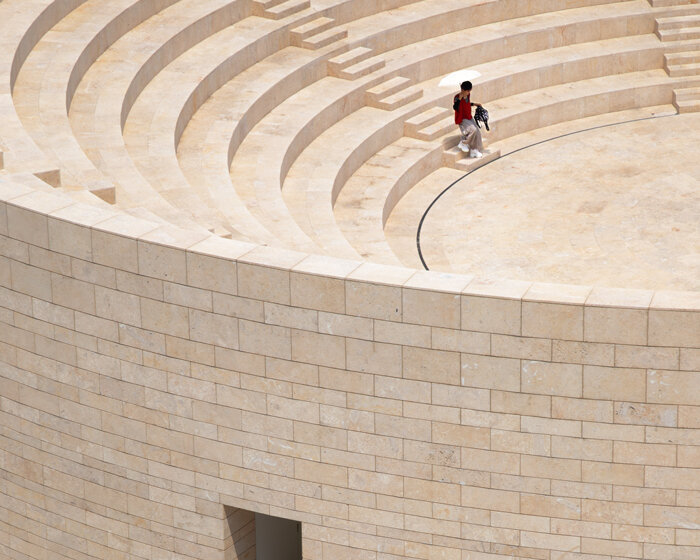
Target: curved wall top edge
62,207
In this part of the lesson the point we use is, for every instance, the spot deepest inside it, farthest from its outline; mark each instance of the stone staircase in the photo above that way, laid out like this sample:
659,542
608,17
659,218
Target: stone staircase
278,9
393,93
678,27
317,33
355,63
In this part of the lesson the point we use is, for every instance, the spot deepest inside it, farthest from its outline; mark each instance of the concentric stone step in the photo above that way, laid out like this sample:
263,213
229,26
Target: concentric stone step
279,9
387,88
666,3
679,34
415,126
317,33
286,9
393,94
687,100
434,130
324,38
683,57
313,27
456,158
679,22
689,69
339,63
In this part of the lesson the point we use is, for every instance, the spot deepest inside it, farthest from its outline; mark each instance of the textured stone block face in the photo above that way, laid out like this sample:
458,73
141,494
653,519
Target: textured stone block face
372,300
373,357
622,326
267,284
211,273
25,225
30,280
550,320
490,373
552,379
317,292
163,263
674,328
115,250
429,308
673,387
614,383
70,239
491,315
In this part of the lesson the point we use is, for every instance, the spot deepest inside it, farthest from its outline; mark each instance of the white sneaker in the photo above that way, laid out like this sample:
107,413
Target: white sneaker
475,154
462,146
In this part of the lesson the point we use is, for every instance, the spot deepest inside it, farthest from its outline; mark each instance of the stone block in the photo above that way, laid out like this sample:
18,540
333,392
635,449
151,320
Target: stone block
491,315
618,384
431,365
489,372
547,378
552,320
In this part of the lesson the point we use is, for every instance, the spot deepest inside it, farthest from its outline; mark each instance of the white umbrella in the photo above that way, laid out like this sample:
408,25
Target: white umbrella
456,78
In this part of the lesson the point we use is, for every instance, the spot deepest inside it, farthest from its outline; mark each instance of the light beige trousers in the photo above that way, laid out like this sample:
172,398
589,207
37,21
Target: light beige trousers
471,134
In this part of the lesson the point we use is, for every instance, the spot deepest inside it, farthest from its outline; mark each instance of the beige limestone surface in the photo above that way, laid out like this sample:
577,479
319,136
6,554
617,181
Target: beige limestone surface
615,206
159,385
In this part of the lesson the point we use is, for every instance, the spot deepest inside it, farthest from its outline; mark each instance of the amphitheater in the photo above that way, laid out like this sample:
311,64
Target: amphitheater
250,288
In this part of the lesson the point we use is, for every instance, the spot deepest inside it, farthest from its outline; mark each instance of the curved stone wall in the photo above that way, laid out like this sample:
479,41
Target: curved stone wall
150,376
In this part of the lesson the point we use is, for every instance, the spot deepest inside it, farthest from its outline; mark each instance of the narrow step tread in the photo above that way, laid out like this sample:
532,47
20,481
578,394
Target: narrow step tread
312,27
434,131
679,34
685,94
684,45
361,69
349,58
287,9
677,22
267,4
399,99
671,3
692,69
466,164
688,106
389,87
324,38
684,57
428,117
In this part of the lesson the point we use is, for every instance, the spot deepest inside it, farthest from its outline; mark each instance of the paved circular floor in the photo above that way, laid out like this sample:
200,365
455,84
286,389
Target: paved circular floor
617,206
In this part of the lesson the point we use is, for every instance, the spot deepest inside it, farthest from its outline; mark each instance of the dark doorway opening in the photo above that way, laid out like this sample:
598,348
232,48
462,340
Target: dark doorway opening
254,536
277,538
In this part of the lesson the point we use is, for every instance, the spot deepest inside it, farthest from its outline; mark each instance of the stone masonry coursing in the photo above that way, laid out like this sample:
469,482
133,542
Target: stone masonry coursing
149,377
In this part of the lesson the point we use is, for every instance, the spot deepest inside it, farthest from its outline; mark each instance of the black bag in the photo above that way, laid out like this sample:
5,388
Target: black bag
482,115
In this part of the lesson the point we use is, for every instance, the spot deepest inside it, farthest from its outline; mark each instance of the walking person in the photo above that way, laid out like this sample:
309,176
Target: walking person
471,134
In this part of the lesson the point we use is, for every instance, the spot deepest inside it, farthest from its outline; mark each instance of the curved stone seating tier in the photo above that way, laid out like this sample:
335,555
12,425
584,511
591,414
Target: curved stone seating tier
181,195
524,112
22,28
358,209
248,42
45,85
208,144
308,194
151,129
276,150
55,128
399,230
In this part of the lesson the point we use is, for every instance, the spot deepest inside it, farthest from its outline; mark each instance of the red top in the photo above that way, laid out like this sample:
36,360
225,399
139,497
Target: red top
464,111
